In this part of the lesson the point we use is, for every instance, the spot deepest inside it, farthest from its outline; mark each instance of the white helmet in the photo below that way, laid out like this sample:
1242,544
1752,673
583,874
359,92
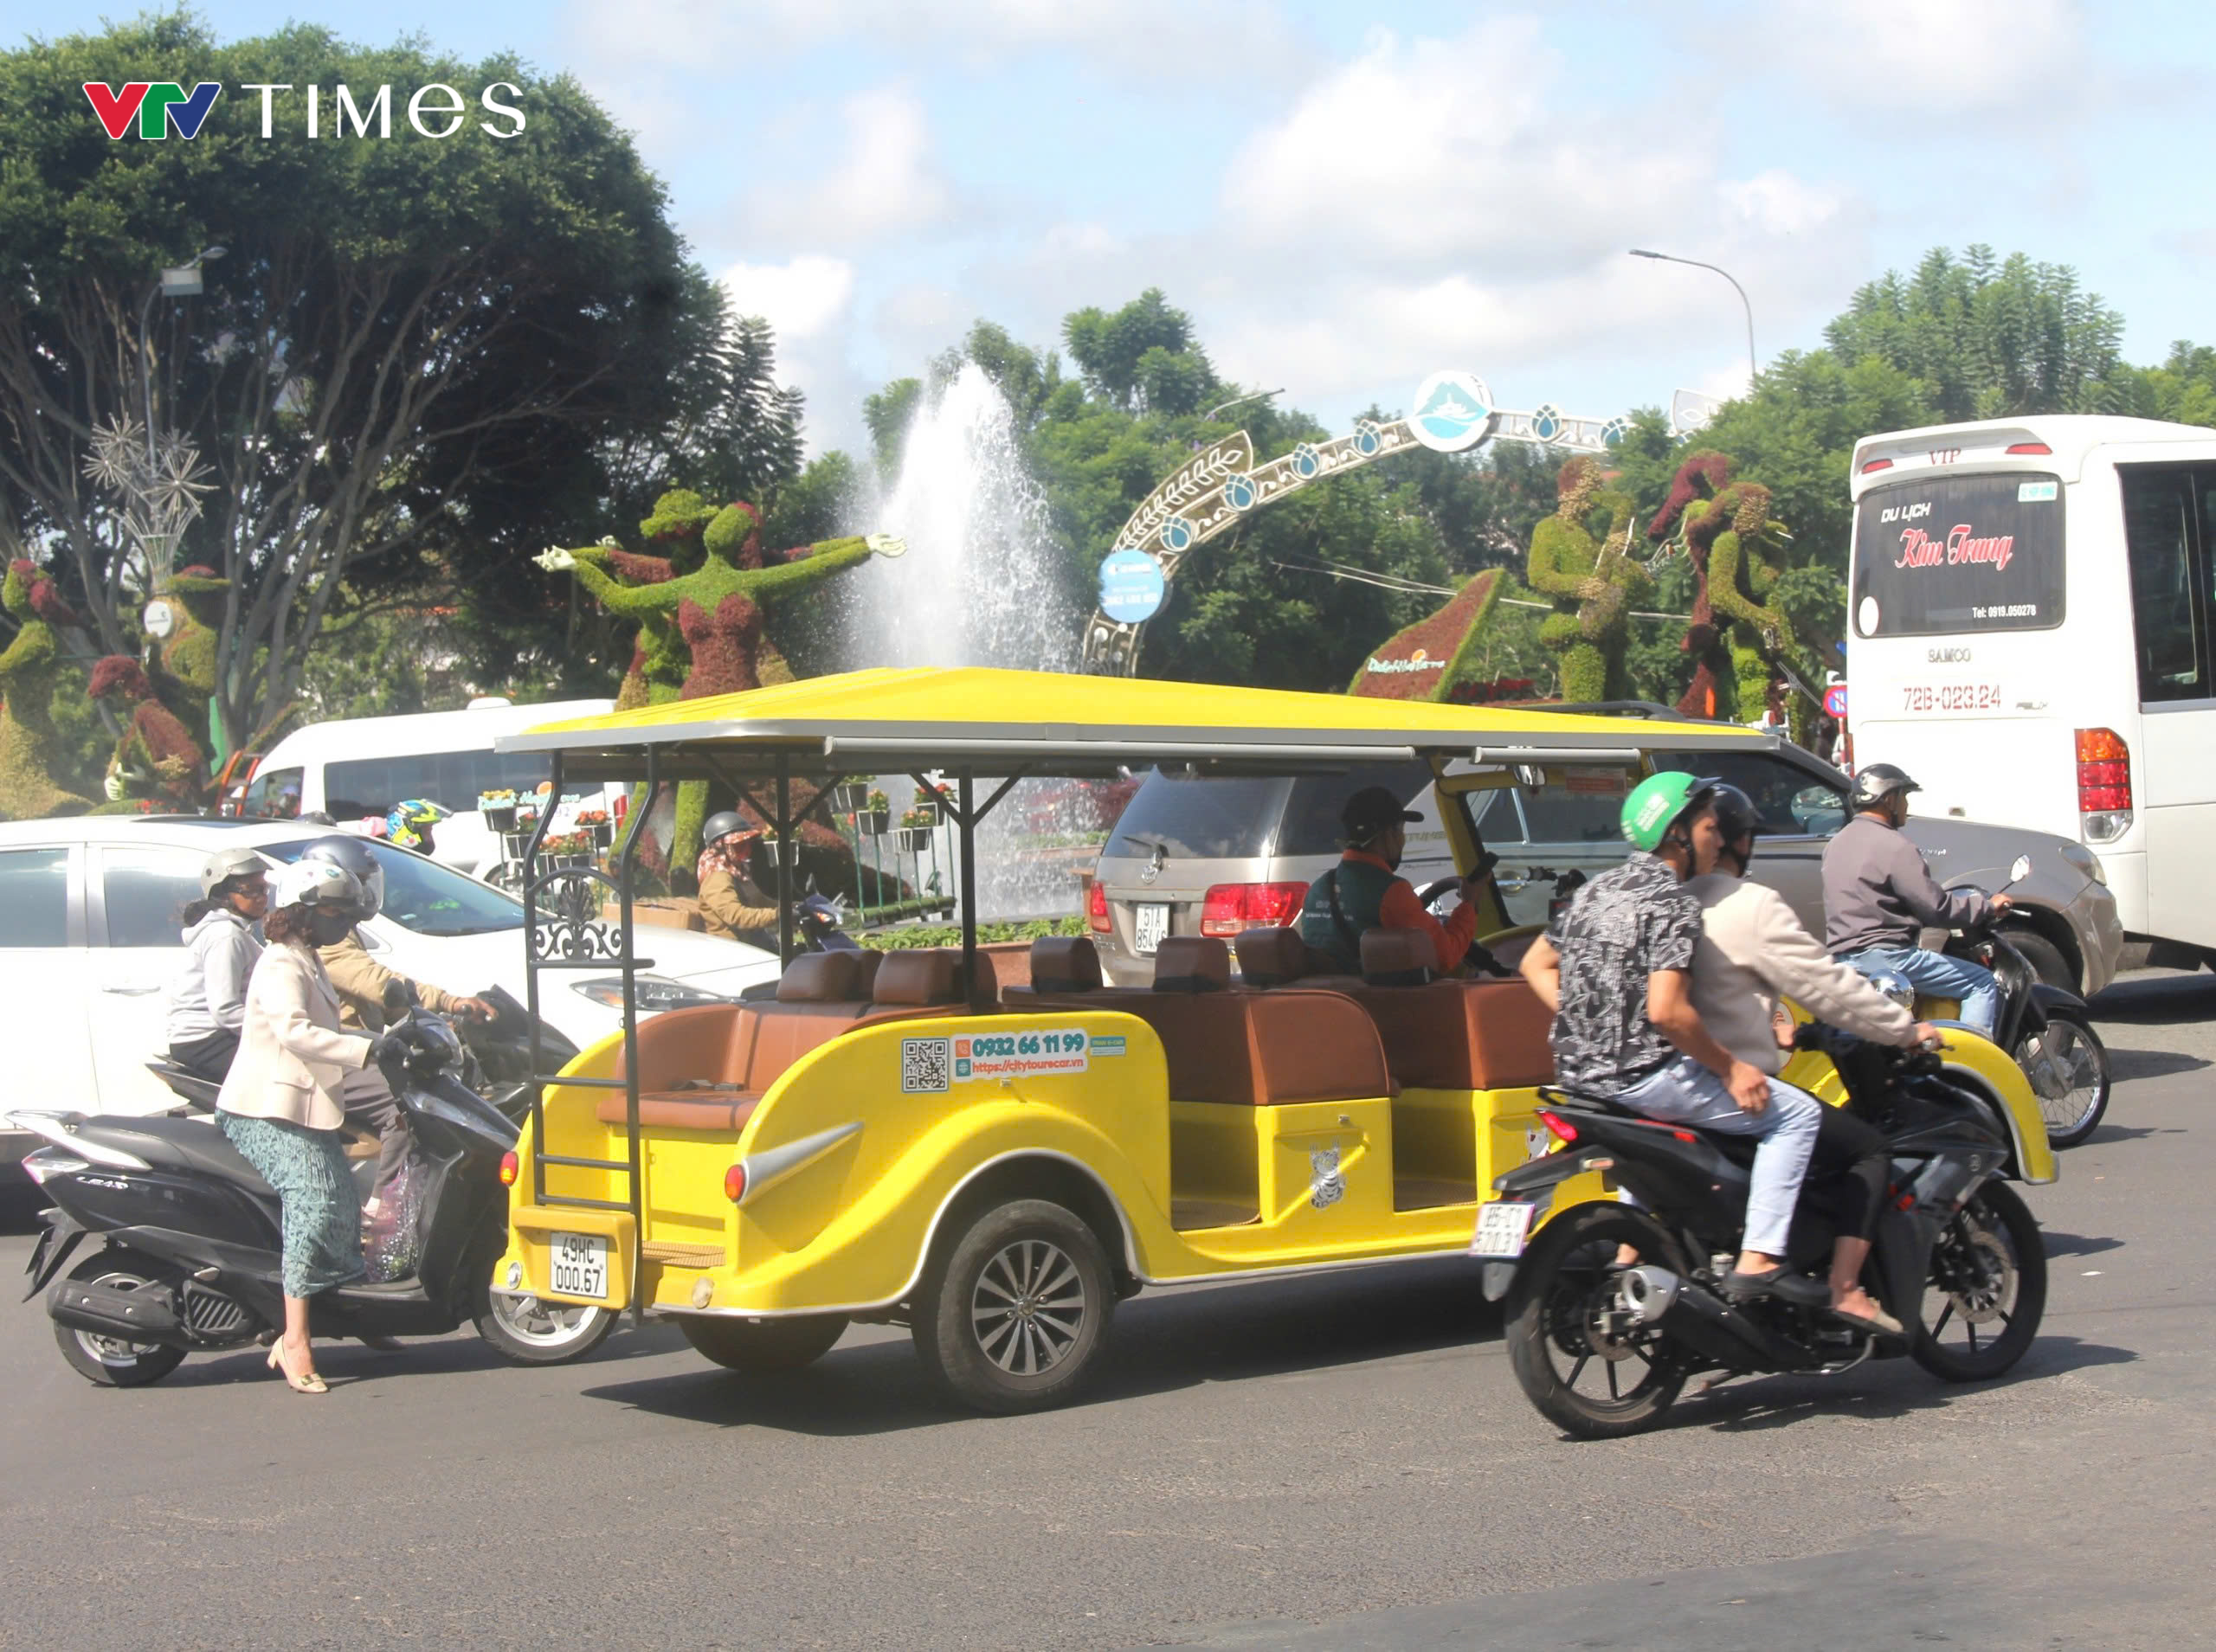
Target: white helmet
314,883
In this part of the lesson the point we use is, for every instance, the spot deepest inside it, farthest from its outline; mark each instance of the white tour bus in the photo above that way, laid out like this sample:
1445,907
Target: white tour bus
2028,635
354,768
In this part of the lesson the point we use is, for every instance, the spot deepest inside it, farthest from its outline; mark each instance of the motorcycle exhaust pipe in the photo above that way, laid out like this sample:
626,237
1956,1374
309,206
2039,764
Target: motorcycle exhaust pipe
1716,1329
1650,1292
137,1315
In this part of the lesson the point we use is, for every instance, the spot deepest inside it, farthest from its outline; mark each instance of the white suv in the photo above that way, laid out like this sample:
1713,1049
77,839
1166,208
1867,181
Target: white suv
89,939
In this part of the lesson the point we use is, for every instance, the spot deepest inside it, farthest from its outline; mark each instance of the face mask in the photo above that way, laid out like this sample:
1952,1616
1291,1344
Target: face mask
330,927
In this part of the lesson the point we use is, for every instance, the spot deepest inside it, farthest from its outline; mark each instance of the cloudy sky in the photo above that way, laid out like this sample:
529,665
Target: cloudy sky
1349,197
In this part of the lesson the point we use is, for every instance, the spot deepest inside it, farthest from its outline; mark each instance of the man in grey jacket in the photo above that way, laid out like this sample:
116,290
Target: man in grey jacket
1878,896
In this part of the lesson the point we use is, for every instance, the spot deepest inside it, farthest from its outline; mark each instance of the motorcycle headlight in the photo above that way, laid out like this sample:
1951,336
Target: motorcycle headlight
2085,861
1895,986
655,993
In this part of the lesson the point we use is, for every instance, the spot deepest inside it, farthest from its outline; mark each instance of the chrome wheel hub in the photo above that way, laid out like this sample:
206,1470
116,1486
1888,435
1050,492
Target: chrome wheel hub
1029,1307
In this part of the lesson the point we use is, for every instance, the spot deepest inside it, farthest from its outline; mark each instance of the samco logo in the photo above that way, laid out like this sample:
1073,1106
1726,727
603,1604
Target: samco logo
157,104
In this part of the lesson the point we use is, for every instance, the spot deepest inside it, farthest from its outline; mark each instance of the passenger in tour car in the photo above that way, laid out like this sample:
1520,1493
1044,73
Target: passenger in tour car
1616,967
1878,895
1364,892
730,902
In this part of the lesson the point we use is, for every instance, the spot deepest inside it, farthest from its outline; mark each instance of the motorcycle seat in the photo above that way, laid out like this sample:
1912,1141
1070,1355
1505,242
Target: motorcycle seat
189,1145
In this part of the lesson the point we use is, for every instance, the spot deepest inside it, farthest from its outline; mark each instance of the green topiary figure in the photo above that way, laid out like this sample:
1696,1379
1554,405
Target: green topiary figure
1736,637
27,672
156,760
185,622
716,607
1594,587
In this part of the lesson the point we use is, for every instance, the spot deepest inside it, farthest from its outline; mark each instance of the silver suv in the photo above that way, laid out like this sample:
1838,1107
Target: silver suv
1193,856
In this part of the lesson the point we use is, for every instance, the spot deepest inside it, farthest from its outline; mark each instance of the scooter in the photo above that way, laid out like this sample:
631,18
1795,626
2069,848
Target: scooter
191,1249
496,1059
819,920
1603,1349
2046,1029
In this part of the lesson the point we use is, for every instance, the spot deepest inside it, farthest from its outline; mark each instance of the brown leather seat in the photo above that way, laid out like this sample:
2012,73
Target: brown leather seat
1278,957
1065,963
1398,958
928,977
1451,1034
1244,1049
1192,963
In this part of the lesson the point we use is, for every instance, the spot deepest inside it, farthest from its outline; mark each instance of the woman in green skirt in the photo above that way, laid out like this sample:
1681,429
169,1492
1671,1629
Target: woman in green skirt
279,1103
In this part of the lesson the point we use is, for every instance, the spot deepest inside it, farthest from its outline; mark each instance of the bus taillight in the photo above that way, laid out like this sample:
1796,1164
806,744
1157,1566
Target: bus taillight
2103,784
1870,465
2029,447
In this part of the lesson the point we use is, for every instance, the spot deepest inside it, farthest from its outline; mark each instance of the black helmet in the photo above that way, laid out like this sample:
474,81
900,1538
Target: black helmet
1875,782
721,824
1735,814
1370,811
350,854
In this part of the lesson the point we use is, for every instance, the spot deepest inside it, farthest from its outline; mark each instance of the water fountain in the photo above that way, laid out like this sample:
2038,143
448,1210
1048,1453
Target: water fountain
982,584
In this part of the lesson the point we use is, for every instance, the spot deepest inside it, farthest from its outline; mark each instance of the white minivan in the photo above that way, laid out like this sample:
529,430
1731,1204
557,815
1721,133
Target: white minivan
355,768
2029,635
89,942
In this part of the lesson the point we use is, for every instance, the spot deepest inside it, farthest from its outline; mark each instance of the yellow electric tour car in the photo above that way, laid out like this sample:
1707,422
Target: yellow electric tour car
898,1138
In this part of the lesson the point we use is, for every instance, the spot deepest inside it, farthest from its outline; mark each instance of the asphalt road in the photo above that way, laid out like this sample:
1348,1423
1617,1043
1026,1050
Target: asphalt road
1334,1463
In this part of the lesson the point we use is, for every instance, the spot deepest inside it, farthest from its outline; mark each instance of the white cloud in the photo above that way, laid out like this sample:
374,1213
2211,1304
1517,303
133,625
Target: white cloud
884,183
1455,150
808,301
1925,63
1157,37
802,298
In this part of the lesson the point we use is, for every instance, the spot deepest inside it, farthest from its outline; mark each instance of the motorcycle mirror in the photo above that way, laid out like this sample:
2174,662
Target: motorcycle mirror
398,999
2020,869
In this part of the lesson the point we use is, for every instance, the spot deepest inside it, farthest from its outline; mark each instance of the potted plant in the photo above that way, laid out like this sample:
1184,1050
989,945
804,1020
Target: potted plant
850,796
916,829
876,814
594,824
499,809
927,801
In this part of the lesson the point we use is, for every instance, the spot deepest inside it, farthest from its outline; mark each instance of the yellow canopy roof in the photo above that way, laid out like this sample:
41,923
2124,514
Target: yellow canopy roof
993,721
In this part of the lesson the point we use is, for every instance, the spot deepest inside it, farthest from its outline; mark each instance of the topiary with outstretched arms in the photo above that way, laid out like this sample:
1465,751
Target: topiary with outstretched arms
28,670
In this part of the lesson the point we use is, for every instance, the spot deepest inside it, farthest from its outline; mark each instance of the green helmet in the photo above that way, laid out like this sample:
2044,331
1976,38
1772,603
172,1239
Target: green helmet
1657,803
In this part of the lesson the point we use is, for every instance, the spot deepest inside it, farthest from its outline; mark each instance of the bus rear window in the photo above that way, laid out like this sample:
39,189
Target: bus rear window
1959,553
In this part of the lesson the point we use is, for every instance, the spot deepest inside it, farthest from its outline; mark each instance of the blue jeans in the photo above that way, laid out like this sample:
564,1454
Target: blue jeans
1685,1092
1939,976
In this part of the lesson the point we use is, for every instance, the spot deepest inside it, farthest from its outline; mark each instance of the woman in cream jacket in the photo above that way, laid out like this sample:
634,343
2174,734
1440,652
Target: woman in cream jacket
280,1104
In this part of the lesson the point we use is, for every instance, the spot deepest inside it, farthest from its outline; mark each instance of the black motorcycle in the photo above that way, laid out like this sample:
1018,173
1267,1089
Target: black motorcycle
2046,1029
190,1250
1602,1349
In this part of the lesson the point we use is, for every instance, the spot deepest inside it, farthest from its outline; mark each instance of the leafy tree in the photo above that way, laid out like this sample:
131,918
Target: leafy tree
1988,338
1141,357
408,337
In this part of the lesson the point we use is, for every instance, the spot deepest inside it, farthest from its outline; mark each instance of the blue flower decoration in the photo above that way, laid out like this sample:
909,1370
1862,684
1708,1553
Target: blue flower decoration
1177,533
1613,431
1547,421
1239,492
1306,461
1368,438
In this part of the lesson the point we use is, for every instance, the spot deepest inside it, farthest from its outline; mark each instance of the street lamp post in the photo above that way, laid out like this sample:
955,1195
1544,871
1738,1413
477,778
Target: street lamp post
1241,402
183,282
1668,258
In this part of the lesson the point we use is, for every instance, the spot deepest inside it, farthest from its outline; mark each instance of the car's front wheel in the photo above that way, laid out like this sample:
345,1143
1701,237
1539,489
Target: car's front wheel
1014,1313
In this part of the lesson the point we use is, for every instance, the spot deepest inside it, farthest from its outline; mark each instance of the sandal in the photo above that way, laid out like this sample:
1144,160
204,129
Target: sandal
1875,1319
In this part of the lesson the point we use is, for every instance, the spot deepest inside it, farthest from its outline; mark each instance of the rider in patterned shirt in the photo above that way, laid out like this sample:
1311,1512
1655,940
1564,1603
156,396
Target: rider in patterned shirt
1616,968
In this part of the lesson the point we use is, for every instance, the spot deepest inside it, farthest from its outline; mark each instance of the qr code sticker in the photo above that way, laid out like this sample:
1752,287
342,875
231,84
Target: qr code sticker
922,1064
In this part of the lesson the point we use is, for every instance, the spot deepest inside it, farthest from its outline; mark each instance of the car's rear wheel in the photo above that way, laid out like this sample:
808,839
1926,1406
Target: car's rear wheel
760,1348
1013,1315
